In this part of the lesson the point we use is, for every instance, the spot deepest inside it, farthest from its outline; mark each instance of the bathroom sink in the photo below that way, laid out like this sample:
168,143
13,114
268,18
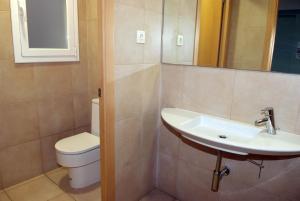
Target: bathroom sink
230,136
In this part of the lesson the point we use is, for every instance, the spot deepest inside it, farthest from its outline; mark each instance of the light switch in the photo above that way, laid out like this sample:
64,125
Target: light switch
140,37
179,40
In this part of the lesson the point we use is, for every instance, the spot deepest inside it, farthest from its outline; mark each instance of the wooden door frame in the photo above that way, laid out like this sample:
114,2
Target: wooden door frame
225,34
106,15
270,35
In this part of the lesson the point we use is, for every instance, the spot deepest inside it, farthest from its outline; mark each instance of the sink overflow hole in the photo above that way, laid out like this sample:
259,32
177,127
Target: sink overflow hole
223,136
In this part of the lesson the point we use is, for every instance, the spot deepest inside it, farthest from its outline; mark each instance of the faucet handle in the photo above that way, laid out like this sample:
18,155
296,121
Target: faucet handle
266,111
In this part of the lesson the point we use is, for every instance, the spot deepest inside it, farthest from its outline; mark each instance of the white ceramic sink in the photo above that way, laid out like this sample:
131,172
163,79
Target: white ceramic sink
230,136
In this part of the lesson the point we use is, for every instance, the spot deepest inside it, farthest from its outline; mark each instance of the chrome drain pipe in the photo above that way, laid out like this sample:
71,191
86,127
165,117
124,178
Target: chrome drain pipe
218,173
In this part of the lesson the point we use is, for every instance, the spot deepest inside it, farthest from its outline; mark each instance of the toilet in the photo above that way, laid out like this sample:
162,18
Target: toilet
81,153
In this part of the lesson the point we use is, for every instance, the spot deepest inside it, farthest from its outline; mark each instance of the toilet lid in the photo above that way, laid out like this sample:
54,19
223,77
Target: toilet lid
77,144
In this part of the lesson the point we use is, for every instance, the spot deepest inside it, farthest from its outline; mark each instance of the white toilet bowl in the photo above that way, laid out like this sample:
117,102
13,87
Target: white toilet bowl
81,155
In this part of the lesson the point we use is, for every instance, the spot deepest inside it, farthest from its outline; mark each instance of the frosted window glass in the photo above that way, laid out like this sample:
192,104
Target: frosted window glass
47,24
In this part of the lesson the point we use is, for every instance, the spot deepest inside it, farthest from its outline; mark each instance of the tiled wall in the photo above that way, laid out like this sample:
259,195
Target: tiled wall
186,172
137,96
42,103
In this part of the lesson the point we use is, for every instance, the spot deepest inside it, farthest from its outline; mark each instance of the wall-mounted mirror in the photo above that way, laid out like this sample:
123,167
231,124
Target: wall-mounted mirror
241,34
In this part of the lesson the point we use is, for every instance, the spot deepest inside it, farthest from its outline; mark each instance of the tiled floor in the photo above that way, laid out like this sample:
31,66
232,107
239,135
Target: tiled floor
157,195
54,186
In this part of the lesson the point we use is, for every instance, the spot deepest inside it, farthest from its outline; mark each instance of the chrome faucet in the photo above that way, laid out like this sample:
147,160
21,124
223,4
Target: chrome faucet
268,120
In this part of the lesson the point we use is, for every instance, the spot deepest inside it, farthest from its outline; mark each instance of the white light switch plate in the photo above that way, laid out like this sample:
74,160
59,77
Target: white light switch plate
179,40
140,37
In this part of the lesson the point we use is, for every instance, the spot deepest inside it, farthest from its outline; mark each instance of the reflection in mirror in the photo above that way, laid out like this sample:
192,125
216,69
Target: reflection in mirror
179,31
286,57
242,34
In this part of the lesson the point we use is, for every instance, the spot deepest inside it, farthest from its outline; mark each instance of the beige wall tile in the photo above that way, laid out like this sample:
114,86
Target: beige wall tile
17,82
80,79
18,123
83,41
39,188
168,173
132,191
86,128
150,91
93,78
18,165
82,110
152,48
53,80
48,153
196,157
93,58
255,91
128,143
154,6
200,180
56,115
48,150
168,142
6,36
147,174
172,86
249,195
92,37
128,96
149,136
208,90
284,185
128,20
244,175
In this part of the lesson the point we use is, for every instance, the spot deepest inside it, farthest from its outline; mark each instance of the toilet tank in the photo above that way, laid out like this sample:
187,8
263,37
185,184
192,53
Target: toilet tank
95,117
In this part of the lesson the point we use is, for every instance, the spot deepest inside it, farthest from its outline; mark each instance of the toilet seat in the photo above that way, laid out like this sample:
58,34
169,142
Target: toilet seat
78,144
78,150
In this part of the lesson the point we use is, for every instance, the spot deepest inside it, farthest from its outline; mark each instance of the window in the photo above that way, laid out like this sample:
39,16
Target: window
45,30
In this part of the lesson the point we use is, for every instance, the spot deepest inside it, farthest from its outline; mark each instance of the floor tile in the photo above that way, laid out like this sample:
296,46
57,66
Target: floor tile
37,189
157,195
60,177
3,196
92,193
62,197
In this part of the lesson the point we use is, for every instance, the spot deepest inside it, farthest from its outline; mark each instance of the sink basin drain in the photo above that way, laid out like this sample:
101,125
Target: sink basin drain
223,136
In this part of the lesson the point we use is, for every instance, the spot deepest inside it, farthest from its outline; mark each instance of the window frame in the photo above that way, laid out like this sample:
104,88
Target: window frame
24,54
